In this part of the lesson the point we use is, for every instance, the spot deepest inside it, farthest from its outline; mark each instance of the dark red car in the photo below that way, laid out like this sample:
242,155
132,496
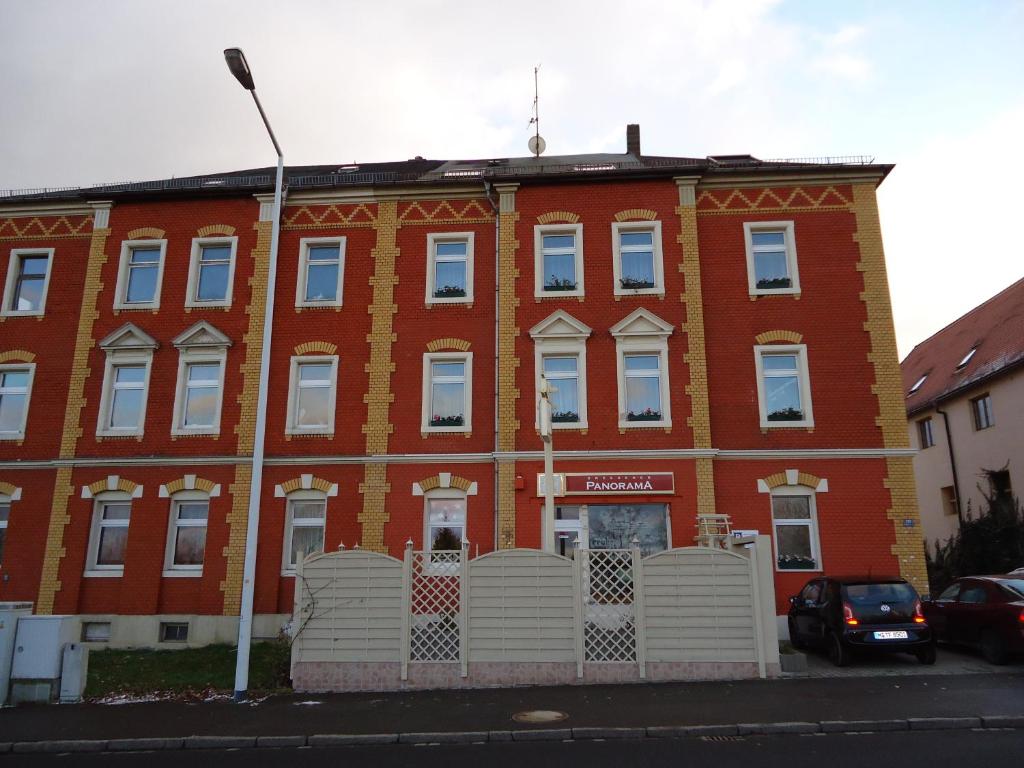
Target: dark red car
983,612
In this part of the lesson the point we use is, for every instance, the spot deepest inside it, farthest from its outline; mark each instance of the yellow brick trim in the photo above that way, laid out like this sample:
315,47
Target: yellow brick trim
17,356
374,516
216,229
438,344
234,552
316,347
331,217
774,481
558,217
252,341
705,486
472,211
909,545
54,551
7,489
16,228
317,484
696,356
434,481
634,214
793,199
201,484
806,478
146,233
768,337
123,484
506,505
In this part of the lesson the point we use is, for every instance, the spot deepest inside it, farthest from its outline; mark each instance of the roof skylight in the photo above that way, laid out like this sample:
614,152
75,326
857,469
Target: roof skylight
966,358
917,384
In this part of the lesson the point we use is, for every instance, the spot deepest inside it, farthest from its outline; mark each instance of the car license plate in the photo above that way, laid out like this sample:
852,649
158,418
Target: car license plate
897,635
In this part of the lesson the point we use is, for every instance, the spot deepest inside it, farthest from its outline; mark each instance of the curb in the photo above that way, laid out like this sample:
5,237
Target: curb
540,734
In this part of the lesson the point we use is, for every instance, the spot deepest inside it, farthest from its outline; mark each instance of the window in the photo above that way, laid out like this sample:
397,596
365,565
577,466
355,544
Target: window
924,433
796,536
771,257
321,267
211,272
312,395
445,523
949,500
981,408
173,632
202,358
637,258
28,279
966,358
450,268
641,341
447,396
974,593
15,392
917,384
109,537
304,532
5,517
558,256
999,483
140,274
560,354
562,374
949,594
95,631
125,391
783,386
614,526
186,535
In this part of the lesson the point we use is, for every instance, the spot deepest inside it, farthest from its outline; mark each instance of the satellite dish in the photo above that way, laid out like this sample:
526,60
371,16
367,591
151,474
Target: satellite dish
537,145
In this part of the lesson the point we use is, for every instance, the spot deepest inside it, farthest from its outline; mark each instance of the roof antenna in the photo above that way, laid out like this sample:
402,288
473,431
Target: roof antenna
536,144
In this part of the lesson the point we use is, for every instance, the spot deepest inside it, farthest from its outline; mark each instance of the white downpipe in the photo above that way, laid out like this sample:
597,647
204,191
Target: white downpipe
256,482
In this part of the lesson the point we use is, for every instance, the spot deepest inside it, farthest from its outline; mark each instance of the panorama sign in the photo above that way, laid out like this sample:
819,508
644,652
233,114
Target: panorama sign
619,483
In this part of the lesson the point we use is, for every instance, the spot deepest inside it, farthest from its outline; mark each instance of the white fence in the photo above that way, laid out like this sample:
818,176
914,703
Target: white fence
437,619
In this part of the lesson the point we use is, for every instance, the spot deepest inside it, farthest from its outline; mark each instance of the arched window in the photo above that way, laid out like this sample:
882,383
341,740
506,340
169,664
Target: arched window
444,519
305,521
795,524
108,538
186,533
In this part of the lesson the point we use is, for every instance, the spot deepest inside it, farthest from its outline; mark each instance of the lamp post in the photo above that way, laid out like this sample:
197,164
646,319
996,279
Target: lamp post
547,527
240,69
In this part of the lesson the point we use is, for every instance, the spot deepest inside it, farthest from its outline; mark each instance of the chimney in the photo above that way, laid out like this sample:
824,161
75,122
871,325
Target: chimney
633,139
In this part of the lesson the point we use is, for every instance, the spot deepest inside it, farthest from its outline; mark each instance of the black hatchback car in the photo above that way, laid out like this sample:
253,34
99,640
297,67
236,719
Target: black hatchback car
844,614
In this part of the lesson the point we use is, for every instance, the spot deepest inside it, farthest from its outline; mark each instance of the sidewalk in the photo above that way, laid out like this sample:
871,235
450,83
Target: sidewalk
639,706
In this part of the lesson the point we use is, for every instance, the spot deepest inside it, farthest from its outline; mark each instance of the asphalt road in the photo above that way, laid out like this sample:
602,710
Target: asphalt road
938,749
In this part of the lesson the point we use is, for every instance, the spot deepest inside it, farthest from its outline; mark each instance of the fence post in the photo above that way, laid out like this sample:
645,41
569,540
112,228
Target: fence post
577,605
639,610
755,591
464,608
406,607
298,620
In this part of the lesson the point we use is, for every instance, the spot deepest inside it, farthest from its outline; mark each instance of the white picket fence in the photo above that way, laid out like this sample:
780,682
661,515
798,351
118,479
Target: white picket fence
360,611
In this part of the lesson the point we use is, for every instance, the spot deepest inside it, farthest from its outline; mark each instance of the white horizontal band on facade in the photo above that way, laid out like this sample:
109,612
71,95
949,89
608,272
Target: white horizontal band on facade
472,458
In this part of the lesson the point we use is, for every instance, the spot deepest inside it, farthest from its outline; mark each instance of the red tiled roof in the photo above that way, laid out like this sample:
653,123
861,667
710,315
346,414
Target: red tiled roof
996,328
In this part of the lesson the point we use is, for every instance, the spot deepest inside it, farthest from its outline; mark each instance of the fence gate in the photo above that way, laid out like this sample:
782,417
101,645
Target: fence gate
609,594
435,614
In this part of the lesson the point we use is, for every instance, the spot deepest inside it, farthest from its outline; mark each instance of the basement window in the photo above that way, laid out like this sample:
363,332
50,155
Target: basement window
96,632
173,632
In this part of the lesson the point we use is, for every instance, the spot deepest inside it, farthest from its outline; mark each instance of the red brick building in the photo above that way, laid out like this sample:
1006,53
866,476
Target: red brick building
718,332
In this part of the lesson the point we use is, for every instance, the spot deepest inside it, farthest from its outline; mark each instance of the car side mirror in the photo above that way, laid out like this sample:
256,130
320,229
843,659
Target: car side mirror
793,599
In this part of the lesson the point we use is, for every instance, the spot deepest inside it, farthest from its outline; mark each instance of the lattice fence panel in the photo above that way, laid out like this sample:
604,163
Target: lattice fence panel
435,606
609,607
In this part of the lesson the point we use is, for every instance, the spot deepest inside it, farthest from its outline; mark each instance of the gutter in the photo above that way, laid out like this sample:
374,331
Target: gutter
497,338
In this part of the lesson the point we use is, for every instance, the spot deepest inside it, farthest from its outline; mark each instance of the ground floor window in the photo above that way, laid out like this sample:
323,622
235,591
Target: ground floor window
611,526
305,530
796,531
446,524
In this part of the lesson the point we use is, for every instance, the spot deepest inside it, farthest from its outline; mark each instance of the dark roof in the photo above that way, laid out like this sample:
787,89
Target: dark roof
995,330
434,172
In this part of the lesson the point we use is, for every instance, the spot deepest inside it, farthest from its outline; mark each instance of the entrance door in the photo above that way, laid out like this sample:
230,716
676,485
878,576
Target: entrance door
570,530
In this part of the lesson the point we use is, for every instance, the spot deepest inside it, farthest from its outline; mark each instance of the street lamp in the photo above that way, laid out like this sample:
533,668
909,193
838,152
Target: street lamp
547,526
240,69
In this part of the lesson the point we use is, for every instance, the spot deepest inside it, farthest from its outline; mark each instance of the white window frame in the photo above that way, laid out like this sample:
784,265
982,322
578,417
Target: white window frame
116,360
441,357
300,283
656,349
925,429
198,243
292,427
92,568
539,231
13,368
789,231
186,358
172,570
976,411
13,270
122,274
800,350
7,501
433,239
812,524
564,349
287,567
654,227
443,493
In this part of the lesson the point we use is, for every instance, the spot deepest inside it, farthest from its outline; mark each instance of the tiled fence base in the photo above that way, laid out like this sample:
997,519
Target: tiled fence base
314,676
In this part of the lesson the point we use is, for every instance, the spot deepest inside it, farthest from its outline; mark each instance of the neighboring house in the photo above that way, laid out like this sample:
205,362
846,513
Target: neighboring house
965,407
718,329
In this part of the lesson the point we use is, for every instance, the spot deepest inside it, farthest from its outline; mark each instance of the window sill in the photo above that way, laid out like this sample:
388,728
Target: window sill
119,436
656,291
182,574
291,434
136,307
755,295
769,425
207,305
461,301
441,432
325,305
558,295
178,433
111,574
13,436
22,313
666,424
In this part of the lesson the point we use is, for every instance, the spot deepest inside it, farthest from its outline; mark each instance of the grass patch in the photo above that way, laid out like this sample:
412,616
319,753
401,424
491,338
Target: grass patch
185,671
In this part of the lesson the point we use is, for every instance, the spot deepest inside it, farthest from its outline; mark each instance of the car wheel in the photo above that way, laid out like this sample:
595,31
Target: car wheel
838,654
993,648
926,655
794,638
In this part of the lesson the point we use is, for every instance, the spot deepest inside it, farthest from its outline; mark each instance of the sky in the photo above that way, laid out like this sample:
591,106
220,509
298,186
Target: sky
117,90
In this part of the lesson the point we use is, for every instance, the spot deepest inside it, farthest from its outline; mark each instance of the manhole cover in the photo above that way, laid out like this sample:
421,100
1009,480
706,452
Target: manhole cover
539,716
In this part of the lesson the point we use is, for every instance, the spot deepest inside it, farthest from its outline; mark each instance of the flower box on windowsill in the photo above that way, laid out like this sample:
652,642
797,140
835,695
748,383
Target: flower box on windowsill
564,417
645,415
450,292
447,421
560,285
774,282
786,414
632,284
796,563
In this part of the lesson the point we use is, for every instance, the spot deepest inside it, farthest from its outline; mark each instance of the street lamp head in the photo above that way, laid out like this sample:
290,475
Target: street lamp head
239,67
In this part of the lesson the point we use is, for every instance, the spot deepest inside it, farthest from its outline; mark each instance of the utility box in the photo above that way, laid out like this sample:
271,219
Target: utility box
9,615
39,656
74,673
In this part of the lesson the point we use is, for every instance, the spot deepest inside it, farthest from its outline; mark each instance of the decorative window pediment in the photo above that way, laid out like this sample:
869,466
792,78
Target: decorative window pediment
202,335
129,337
560,325
641,323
